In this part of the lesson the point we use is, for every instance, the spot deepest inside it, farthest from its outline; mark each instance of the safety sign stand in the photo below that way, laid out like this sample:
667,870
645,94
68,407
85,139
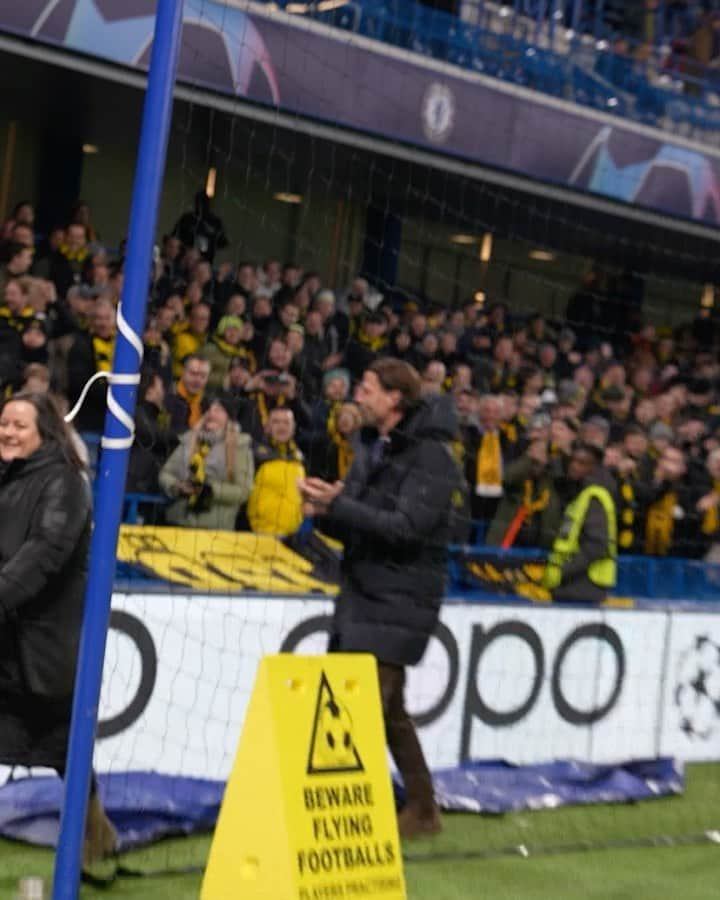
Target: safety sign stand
308,812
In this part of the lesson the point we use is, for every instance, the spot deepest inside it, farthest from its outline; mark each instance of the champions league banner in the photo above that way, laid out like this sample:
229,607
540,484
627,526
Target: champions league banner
252,51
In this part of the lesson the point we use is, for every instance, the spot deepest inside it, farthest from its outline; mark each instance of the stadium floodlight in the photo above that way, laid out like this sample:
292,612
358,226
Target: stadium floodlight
288,197
486,247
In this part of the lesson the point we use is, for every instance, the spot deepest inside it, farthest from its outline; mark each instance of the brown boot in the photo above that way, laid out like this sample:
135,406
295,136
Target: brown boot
100,835
414,822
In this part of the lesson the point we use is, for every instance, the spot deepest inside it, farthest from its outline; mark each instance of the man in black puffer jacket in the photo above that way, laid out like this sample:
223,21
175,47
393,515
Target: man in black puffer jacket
394,513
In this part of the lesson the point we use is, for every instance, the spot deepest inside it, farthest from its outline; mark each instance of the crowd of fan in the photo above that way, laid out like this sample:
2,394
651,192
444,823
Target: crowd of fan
689,32
249,371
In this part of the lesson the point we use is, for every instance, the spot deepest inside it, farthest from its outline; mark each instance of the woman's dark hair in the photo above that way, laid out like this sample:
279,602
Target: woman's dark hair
50,424
148,377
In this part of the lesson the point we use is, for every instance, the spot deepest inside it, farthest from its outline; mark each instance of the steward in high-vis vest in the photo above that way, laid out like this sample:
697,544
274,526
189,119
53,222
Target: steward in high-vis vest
583,562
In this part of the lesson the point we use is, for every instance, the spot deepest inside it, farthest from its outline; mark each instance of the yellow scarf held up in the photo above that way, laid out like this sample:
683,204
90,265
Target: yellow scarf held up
489,466
197,470
626,537
539,503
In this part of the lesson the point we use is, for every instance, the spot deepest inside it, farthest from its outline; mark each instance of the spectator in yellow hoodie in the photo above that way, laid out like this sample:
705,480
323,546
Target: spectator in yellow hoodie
275,505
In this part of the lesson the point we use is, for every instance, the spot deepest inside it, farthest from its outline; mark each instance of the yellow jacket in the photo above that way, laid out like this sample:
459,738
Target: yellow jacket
185,343
275,505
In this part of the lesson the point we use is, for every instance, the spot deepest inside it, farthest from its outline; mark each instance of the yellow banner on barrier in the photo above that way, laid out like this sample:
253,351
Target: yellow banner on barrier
308,812
219,560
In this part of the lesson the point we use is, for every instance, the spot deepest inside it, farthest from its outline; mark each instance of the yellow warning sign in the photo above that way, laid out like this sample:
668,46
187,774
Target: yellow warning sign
332,748
308,812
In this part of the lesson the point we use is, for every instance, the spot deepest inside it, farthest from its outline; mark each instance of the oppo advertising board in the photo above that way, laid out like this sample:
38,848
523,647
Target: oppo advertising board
518,683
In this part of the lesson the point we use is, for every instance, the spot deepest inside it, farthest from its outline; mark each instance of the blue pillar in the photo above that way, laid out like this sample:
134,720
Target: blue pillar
116,443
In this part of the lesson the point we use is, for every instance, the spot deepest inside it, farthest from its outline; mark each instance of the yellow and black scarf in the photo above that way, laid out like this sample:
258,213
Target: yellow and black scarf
103,350
342,444
489,466
659,525
233,351
19,321
509,429
77,256
526,511
262,406
194,402
286,450
375,344
626,515
197,471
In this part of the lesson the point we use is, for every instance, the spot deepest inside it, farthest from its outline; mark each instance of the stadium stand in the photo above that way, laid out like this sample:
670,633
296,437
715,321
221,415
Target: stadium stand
277,336
654,64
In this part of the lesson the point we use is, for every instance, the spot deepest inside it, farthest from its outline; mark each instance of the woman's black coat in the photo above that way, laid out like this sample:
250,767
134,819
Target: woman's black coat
45,521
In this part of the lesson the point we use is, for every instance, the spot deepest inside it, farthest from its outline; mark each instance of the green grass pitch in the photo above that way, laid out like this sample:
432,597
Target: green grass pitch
454,867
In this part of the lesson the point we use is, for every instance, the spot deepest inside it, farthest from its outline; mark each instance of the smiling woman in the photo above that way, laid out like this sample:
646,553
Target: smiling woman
45,521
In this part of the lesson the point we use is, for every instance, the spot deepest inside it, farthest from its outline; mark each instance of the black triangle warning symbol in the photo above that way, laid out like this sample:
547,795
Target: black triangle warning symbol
332,745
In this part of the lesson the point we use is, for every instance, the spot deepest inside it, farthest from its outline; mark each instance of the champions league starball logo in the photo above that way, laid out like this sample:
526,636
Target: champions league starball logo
667,176
221,46
697,689
438,112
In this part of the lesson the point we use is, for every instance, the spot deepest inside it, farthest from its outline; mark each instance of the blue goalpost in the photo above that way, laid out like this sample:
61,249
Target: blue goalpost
116,442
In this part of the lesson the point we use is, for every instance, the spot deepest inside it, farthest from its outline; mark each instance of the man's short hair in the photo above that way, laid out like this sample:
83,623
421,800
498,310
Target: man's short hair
195,357
593,450
36,370
634,429
281,409
397,375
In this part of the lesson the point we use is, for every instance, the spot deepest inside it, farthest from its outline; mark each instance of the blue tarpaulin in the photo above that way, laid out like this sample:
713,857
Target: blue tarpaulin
143,806
146,806
498,787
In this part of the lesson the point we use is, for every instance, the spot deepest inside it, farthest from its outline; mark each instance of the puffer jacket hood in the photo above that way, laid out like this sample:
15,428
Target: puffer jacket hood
434,418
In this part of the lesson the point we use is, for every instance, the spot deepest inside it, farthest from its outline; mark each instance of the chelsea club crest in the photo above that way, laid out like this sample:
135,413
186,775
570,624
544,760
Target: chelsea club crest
438,112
